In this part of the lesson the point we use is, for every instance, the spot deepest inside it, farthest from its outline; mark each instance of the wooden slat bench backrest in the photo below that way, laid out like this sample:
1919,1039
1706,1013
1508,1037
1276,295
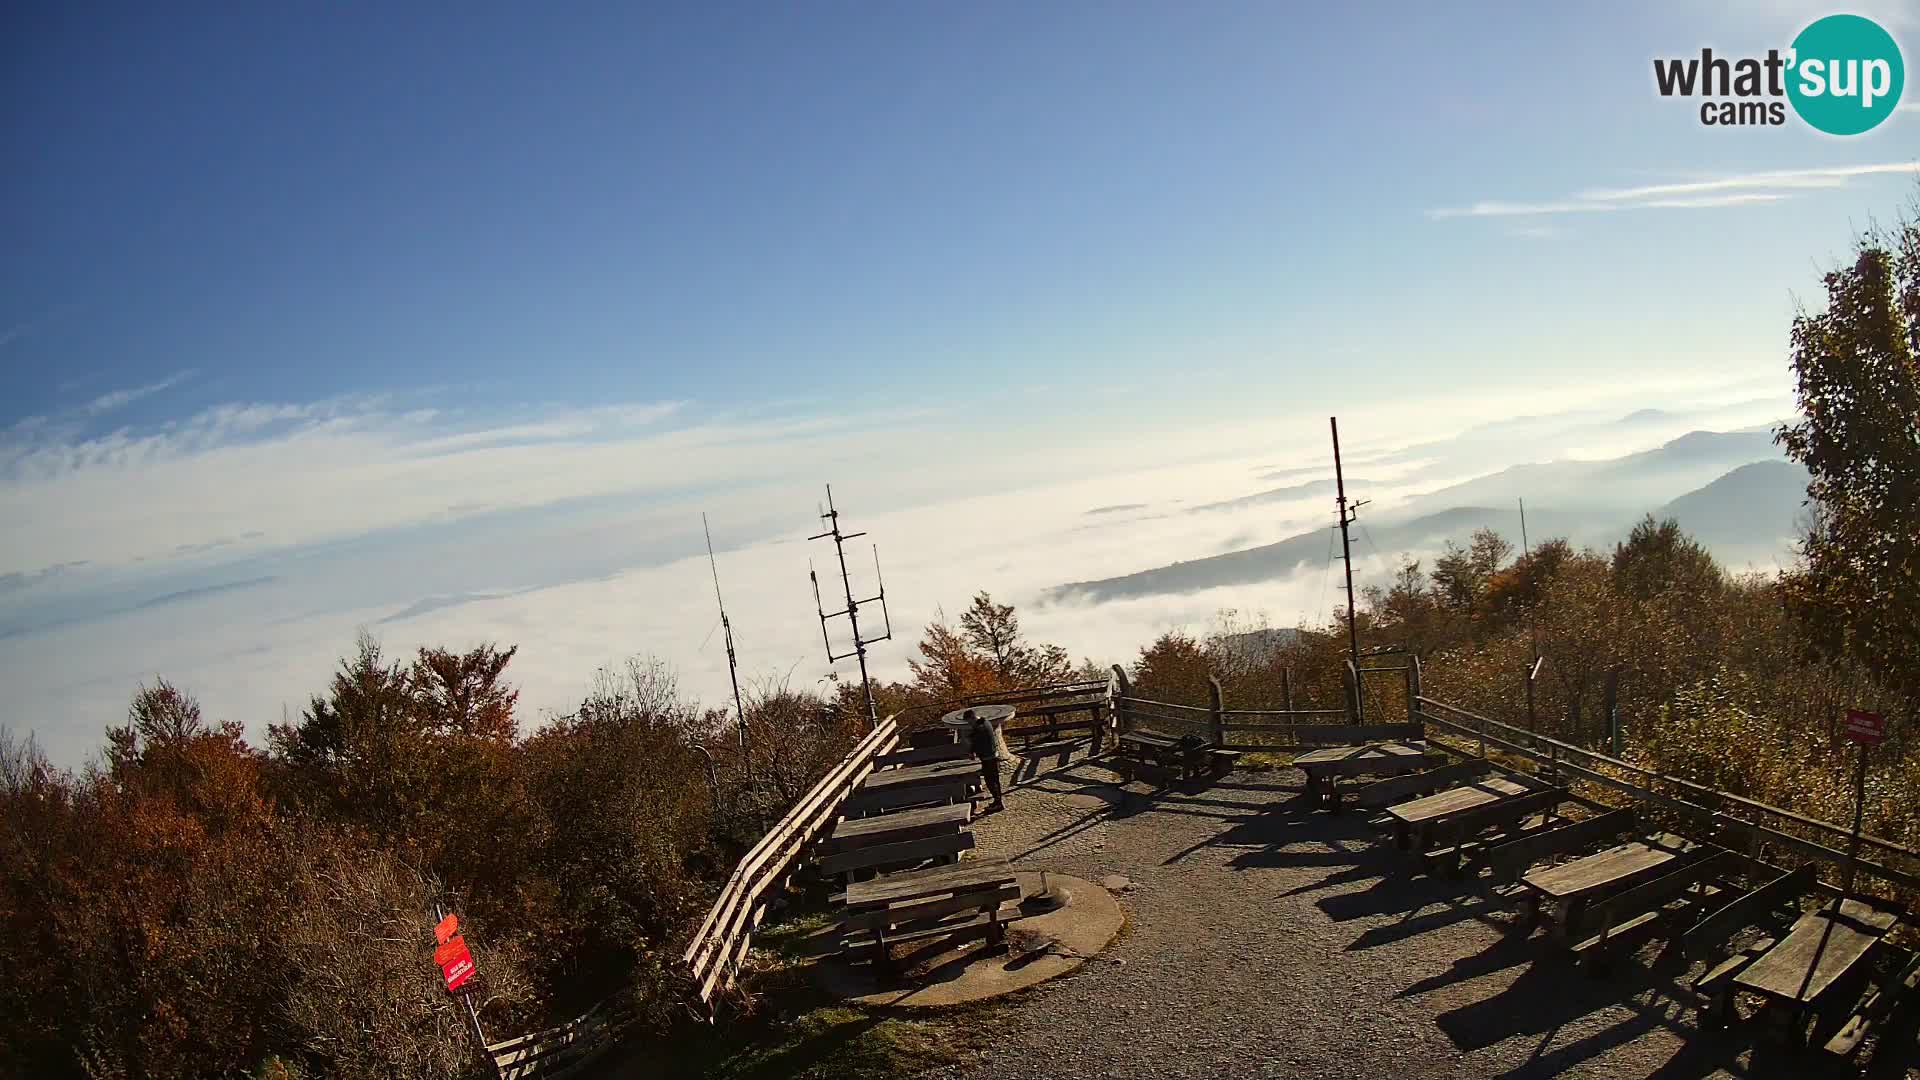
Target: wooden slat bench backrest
1397,788
1511,859
1656,893
1707,935
985,896
898,852
924,755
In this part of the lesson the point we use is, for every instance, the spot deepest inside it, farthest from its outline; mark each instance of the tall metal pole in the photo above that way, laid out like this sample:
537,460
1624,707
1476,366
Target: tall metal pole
1346,556
733,664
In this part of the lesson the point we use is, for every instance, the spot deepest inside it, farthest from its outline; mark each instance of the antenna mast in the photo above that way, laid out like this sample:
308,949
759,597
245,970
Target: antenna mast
733,663
852,612
1347,514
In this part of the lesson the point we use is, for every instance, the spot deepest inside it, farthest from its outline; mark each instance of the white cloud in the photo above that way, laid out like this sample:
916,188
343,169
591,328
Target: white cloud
120,399
944,528
1740,189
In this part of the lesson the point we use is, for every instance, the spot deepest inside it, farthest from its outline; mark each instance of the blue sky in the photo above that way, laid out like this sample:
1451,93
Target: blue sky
278,279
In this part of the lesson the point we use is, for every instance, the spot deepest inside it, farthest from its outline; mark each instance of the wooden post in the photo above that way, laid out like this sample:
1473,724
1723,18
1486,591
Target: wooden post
1286,686
1413,689
1352,678
1216,711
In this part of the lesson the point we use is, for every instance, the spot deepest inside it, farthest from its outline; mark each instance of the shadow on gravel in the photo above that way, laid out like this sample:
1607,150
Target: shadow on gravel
1419,921
1509,952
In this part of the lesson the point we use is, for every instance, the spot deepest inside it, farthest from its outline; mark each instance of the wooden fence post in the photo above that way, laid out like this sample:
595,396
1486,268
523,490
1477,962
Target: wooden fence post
1351,675
1413,689
1216,711
1286,687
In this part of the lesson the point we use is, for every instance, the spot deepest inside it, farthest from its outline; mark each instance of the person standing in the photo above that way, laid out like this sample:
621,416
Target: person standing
987,749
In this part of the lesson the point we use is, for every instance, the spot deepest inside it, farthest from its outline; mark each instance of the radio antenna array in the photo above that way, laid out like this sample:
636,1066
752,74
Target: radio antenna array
852,611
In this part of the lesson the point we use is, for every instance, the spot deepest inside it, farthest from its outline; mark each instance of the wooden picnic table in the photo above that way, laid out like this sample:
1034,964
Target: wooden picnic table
900,825
931,775
947,903
1572,884
1415,816
1824,947
1324,766
914,785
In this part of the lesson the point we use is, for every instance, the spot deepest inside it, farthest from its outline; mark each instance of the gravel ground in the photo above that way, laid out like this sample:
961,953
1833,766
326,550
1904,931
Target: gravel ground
1264,940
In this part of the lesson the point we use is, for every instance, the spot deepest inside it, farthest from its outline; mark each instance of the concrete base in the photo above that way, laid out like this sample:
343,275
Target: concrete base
1038,947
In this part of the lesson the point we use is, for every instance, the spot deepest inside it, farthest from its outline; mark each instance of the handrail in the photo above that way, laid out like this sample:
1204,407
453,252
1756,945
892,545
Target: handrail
723,937
1585,764
1284,712
1126,702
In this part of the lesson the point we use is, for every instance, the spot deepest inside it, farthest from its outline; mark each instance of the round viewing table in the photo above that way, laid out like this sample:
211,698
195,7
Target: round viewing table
997,715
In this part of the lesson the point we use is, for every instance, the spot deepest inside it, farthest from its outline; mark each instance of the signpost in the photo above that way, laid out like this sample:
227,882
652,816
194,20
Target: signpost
1867,729
457,968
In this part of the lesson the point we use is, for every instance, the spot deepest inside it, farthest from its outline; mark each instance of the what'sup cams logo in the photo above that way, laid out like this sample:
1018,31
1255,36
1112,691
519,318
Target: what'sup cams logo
1843,75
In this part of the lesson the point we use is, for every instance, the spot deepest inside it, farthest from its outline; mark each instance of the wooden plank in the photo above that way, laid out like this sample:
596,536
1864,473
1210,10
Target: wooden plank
1465,797
863,802
913,911
923,755
958,929
939,772
933,736
1717,977
1711,932
1854,1031
905,851
1465,823
1397,789
897,826
892,888
1339,734
1821,950
1508,860
1638,907
1615,867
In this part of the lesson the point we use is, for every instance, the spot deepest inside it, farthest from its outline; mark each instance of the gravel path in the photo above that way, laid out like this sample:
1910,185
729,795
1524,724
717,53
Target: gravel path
1264,940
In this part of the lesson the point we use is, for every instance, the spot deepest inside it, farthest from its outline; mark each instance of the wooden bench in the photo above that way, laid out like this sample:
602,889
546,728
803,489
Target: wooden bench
954,903
1398,789
914,785
923,755
1050,714
1412,821
1854,1031
1454,835
1163,758
897,839
1823,951
1509,860
1637,915
1325,767
1572,885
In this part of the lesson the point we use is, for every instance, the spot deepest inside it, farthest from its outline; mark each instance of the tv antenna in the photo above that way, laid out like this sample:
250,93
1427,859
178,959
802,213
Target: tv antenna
733,662
852,613
1348,512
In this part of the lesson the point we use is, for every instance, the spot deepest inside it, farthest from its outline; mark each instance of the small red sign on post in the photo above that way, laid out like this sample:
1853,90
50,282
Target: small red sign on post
456,963
445,930
1869,729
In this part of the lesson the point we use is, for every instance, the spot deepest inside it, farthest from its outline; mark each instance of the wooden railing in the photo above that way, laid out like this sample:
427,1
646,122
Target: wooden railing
721,943
561,1050
1733,818
1228,729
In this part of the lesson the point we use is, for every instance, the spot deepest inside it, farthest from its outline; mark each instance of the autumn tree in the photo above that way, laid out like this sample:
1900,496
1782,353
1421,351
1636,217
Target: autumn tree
1857,589
1658,559
1461,575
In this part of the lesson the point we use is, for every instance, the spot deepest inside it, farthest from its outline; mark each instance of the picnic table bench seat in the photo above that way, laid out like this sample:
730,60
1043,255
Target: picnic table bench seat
1570,886
952,902
1324,767
1413,822
1163,757
1827,948
898,839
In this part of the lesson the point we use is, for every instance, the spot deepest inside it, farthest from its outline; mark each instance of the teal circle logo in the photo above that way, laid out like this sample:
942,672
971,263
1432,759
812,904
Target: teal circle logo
1845,74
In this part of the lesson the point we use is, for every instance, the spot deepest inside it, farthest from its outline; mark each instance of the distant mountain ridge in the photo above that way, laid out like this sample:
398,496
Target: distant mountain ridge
1744,509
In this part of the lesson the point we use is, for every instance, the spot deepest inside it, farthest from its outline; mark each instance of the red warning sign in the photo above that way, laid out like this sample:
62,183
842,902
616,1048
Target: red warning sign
456,963
1865,727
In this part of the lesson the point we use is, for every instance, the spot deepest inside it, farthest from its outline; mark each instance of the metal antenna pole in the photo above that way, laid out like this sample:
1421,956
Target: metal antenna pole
1526,551
1346,555
852,612
733,663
